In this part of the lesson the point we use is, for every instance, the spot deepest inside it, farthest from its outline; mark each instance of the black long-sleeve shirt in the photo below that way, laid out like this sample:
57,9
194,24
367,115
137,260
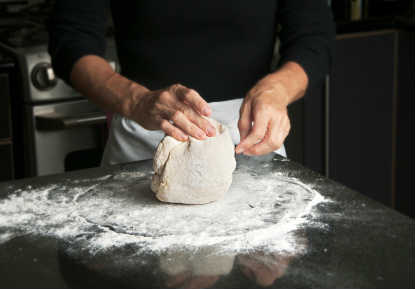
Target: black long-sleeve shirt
218,47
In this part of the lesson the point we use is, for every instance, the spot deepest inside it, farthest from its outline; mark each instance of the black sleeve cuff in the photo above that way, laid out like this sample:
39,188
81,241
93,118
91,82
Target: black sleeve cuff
64,59
314,59
76,28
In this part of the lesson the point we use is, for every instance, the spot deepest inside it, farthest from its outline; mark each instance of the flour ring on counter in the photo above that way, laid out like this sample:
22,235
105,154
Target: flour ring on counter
255,211
262,209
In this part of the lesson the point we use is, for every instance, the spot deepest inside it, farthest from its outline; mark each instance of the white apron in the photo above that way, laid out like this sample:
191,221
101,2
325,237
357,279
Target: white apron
128,141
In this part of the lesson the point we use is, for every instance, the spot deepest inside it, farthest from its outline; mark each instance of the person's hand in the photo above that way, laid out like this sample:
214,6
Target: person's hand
263,269
177,110
185,280
194,270
264,123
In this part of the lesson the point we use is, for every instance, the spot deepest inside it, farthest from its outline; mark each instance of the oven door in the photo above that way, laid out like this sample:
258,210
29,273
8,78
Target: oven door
64,136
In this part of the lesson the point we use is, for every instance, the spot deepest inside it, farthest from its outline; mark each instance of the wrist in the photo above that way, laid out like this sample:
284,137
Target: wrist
134,96
126,94
289,81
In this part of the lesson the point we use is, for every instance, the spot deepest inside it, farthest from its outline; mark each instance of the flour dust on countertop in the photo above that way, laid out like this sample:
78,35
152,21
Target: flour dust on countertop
118,210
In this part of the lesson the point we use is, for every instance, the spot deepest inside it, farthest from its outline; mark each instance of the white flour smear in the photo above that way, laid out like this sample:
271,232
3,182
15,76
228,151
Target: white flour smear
119,210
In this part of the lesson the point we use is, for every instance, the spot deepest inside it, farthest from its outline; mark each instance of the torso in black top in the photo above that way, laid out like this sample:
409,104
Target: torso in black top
219,48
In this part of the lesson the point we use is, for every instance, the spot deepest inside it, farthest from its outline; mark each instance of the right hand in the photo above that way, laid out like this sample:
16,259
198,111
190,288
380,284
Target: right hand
177,110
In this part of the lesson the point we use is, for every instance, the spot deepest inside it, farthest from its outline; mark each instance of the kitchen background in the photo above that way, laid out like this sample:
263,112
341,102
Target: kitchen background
355,128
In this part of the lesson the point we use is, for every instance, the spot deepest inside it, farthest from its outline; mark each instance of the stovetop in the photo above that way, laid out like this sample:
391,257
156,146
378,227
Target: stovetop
36,12
27,27
22,33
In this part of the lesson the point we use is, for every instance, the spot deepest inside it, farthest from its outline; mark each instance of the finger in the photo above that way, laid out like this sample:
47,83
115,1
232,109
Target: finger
197,119
245,121
266,144
173,131
177,280
192,98
181,121
256,134
269,143
259,273
274,138
191,111
201,122
201,282
272,143
264,276
248,273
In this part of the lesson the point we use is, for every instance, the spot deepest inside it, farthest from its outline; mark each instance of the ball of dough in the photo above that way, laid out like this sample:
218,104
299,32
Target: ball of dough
195,171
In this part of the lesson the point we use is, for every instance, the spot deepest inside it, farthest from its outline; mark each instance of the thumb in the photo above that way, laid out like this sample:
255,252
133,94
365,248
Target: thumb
245,121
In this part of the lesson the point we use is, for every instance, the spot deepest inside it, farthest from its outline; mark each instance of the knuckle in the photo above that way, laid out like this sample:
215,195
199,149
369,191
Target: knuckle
187,96
202,123
175,133
194,129
156,107
164,96
164,125
174,86
262,106
206,124
176,115
256,135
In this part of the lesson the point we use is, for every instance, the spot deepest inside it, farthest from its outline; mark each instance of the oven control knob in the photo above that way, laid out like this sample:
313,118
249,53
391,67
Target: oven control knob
43,77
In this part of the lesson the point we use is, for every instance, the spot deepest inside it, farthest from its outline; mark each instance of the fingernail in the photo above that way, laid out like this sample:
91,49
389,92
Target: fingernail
239,150
202,135
206,111
211,131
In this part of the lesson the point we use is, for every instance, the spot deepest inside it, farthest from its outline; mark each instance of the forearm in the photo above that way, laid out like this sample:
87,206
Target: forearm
94,77
289,83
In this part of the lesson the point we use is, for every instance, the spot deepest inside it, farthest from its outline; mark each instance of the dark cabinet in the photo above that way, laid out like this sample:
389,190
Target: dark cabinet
371,116
357,128
405,191
362,114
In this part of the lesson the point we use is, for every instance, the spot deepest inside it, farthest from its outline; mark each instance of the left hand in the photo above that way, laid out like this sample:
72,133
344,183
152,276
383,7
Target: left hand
264,123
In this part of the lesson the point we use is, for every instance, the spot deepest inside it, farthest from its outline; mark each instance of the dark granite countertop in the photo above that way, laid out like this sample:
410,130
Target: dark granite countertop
363,245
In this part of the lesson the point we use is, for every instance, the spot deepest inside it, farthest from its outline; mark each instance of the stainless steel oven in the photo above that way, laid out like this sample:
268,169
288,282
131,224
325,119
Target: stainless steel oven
56,128
64,136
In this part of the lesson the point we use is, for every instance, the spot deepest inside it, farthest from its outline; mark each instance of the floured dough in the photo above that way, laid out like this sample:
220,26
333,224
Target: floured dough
195,171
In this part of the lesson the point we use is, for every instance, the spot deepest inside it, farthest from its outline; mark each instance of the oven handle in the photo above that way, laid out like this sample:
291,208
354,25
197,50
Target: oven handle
55,121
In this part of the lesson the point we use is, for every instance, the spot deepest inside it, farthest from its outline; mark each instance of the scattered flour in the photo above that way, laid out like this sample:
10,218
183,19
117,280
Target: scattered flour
119,210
